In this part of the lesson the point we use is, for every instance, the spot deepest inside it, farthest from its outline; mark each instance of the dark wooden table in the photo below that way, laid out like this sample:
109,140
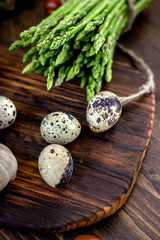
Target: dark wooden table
139,218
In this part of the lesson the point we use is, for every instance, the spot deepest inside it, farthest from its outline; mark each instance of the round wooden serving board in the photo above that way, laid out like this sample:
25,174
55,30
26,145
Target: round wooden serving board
106,165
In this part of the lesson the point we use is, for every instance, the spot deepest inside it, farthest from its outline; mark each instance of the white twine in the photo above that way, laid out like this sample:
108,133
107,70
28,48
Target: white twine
149,86
139,62
132,16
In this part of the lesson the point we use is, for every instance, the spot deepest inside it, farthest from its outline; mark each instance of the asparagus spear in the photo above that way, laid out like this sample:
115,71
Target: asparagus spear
51,73
65,54
75,69
83,77
90,89
30,53
46,55
61,75
31,66
116,33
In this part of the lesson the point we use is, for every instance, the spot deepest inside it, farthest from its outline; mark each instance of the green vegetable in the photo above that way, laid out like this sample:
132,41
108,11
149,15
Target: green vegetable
77,40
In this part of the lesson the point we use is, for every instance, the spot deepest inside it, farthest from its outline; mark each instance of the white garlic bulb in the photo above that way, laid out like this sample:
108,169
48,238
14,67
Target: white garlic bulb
8,166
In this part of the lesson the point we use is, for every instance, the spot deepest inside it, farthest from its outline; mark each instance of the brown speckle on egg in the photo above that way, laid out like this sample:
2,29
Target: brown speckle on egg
52,150
112,121
98,120
67,172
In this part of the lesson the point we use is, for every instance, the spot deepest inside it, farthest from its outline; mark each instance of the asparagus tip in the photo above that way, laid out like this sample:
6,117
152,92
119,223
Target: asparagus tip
14,46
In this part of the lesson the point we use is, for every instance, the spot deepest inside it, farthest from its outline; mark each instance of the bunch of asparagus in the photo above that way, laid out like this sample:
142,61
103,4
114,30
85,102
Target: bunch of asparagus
78,39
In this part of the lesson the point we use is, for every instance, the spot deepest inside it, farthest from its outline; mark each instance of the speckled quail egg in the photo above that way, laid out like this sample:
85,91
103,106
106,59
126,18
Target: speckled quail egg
55,165
60,128
8,112
103,111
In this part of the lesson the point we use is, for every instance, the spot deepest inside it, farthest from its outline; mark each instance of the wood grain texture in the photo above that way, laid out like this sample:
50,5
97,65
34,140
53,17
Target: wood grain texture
139,219
106,165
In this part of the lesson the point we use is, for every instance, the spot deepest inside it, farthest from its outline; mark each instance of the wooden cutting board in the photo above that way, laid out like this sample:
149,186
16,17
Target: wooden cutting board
106,165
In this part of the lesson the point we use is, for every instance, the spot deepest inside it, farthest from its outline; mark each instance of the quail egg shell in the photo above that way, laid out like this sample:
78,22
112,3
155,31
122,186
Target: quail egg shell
103,111
55,165
60,128
8,112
